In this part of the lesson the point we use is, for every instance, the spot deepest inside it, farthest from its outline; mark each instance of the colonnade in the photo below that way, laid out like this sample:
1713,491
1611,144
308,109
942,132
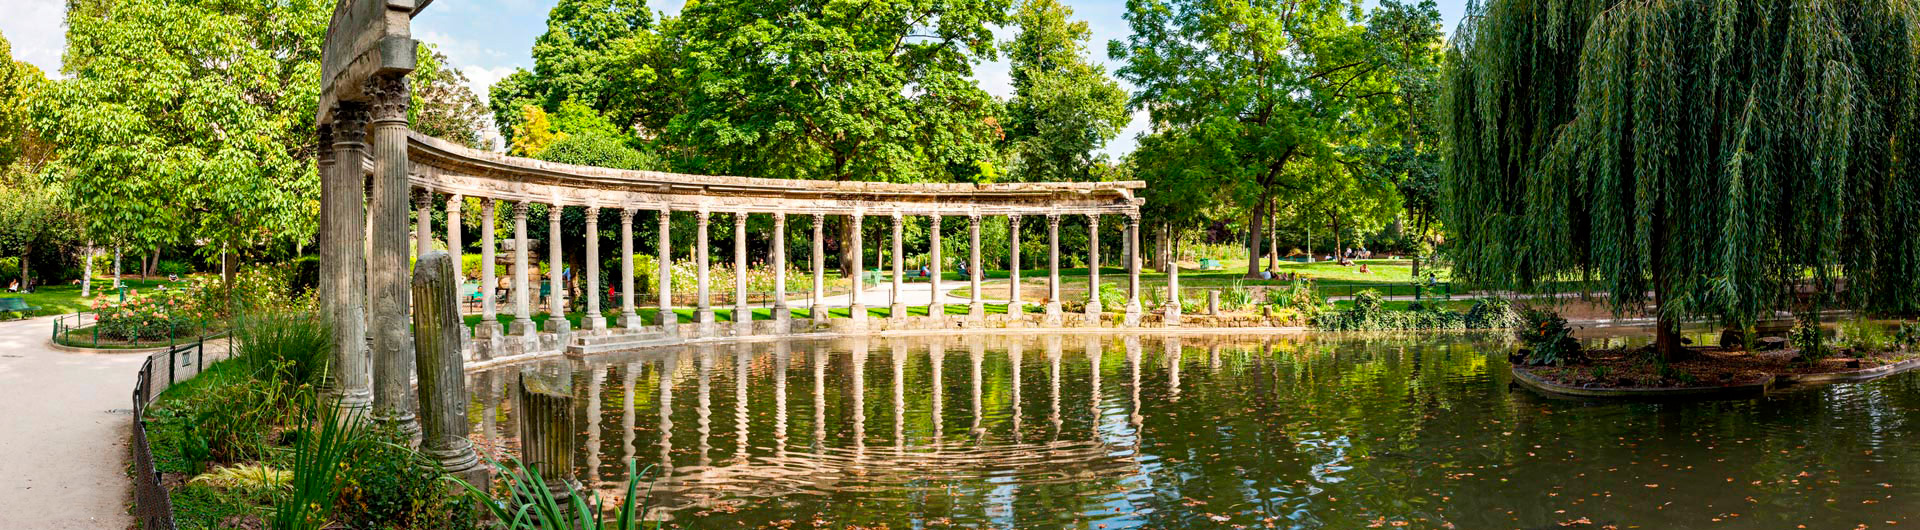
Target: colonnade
704,311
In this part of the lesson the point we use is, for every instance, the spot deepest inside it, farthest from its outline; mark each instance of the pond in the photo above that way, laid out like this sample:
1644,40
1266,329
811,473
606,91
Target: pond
1291,431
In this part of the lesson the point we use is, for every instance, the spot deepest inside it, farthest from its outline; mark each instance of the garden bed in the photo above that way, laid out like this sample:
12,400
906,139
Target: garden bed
1709,371
86,339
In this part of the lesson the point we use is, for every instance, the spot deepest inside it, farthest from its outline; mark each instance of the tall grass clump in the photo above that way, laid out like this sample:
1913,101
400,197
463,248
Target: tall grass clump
288,348
530,504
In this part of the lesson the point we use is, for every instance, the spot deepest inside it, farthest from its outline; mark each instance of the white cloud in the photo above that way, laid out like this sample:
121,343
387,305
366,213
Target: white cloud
37,31
481,78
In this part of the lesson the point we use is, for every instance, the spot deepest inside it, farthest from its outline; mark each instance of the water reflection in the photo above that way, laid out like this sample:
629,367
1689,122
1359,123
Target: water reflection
1309,432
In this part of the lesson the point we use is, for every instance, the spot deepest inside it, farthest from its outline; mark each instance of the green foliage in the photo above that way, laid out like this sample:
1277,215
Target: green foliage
155,316
169,267
1235,297
1492,313
1064,108
1713,155
600,150
443,107
289,349
1907,335
1546,339
530,505
320,458
1863,335
1369,313
190,120
252,477
387,485
1810,340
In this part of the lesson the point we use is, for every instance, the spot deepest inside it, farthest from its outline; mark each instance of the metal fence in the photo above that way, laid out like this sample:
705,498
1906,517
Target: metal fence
88,324
151,505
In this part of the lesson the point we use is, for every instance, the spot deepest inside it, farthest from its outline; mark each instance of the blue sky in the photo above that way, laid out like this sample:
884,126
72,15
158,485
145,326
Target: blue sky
487,39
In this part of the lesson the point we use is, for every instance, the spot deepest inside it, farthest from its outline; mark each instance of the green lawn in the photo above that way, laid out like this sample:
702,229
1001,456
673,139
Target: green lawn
690,315
63,299
1390,277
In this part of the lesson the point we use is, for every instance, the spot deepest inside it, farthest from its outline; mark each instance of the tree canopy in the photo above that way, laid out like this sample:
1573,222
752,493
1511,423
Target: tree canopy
1064,109
1705,156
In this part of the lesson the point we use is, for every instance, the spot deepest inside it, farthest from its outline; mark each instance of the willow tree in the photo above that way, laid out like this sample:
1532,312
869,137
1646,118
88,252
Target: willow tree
1713,158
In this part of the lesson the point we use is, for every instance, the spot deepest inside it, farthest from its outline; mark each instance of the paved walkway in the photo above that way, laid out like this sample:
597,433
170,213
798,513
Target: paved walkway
65,420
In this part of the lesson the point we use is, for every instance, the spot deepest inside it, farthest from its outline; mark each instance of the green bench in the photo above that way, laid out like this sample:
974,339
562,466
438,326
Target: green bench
17,306
873,277
1210,264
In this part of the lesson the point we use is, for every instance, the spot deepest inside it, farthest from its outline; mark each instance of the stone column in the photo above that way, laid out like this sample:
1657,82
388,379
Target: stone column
629,318
1093,268
857,309
937,308
423,226
547,431
1016,308
976,308
593,319
343,259
741,313
668,319
442,371
896,309
489,314
388,277
819,306
522,325
454,239
1133,269
556,264
781,314
1053,269
701,278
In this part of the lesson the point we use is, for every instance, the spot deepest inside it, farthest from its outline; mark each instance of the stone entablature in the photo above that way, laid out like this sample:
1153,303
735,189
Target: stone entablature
448,168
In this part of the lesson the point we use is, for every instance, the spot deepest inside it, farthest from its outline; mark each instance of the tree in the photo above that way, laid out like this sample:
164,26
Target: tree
1259,86
573,61
22,152
190,119
1708,157
443,107
1063,108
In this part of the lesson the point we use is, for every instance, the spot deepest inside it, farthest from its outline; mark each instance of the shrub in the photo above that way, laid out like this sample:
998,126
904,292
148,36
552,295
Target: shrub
169,267
1861,334
1492,313
386,485
153,316
1547,339
233,420
288,349
529,504
1907,335
1236,297
1808,338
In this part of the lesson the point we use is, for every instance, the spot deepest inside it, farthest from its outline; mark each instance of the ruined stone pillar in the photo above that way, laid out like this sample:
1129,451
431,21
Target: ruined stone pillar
343,258
702,278
1093,267
1133,269
741,313
1053,269
556,266
896,309
820,271
856,308
441,369
1016,307
937,308
629,318
780,311
547,432
668,319
976,307
593,320
423,225
1172,313
489,314
522,325
388,276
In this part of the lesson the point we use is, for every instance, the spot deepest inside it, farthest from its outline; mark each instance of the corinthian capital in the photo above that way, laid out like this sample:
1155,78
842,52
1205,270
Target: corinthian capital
390,98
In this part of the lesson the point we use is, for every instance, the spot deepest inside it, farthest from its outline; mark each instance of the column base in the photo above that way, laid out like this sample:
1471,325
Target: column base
706,316
1133,314
522,327
937,310
461,462
558,324
782,314
742,314
1094,309
668,318
1017,310
897,310
631,321
488,328
408,425
1053,315
819,313
976,311
858,312
594,322
1171,317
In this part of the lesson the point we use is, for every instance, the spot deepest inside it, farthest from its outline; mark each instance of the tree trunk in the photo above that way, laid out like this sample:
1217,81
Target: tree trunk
26,279
229,265
1256,229
1273,239
846,250
152,262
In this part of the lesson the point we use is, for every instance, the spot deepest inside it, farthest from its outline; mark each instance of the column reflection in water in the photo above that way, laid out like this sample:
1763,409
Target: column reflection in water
1053,377
668,368
1014,347
1173,369
742,357
976,353
486,385
859,405
899,395
819,364
1133,366
595,378
781,351
937,355
1092,347
703,408
629,373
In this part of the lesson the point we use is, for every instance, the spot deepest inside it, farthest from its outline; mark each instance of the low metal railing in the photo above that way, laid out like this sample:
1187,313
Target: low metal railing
151,504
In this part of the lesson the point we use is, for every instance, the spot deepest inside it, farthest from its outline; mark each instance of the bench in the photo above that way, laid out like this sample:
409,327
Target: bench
873,277
18,306
1210,264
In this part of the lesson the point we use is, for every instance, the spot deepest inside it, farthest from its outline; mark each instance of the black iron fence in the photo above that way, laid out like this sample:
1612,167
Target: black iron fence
151,505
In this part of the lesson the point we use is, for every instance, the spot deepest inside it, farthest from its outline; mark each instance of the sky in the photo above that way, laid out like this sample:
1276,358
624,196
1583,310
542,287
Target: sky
488,39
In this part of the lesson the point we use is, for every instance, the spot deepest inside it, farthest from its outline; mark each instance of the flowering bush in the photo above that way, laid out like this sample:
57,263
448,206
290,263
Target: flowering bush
153,316
1548,339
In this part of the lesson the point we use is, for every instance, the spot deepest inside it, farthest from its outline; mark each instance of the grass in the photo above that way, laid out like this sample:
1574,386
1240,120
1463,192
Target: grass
689,315
1393,277
64,299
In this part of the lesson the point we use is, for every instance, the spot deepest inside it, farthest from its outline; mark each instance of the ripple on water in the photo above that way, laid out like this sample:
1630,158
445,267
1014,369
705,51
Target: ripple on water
1339,431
